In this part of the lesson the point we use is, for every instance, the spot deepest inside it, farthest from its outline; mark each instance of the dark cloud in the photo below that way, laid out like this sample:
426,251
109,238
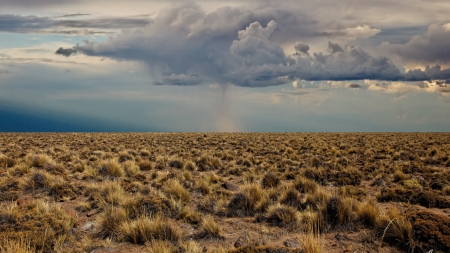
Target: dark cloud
354,86
334,48
26,24
429,48
186,46
180,80
105,23
302,48
66,51
429,73
17,23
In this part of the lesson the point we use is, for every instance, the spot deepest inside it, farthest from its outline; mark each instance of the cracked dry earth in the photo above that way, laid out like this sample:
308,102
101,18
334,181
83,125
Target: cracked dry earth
224,192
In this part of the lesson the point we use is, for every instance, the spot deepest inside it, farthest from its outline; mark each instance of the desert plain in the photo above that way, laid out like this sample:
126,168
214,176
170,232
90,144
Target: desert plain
224,192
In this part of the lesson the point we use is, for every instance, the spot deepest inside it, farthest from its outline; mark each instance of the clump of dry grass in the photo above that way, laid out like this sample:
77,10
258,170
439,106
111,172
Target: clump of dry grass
400,176
270,180
160,246
446,190
192,247
38,160
146,165
37,179
111,168
394,228
131,168
146,229
211,228
6,162
284,216
245,202
108,224
292,197
177,191
19,245
369,213
311,244
177,163
37,226
412,184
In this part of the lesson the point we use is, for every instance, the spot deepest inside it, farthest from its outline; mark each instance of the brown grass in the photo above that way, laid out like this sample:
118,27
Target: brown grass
184,192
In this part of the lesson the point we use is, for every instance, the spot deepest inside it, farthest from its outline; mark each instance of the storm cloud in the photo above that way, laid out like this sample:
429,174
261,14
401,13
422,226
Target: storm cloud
186,46
429,48
66,51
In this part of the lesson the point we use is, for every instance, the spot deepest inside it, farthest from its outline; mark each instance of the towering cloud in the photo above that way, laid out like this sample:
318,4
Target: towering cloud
429,48
186,46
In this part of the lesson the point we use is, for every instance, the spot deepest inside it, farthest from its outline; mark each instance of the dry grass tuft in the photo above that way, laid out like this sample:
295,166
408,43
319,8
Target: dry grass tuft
145,229
369,213
211,228
109,222
311,244
270,180
159,246
177,191
284,216
111,168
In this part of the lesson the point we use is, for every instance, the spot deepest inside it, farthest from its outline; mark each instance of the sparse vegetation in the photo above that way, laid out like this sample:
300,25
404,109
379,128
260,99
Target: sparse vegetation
220,193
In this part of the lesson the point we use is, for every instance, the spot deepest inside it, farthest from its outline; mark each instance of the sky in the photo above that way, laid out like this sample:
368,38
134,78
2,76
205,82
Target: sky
241,66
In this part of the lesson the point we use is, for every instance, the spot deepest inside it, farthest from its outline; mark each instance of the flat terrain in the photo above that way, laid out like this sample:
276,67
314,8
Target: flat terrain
220,192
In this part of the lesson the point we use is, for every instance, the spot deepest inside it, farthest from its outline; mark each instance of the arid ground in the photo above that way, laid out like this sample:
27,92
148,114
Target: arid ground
220,192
